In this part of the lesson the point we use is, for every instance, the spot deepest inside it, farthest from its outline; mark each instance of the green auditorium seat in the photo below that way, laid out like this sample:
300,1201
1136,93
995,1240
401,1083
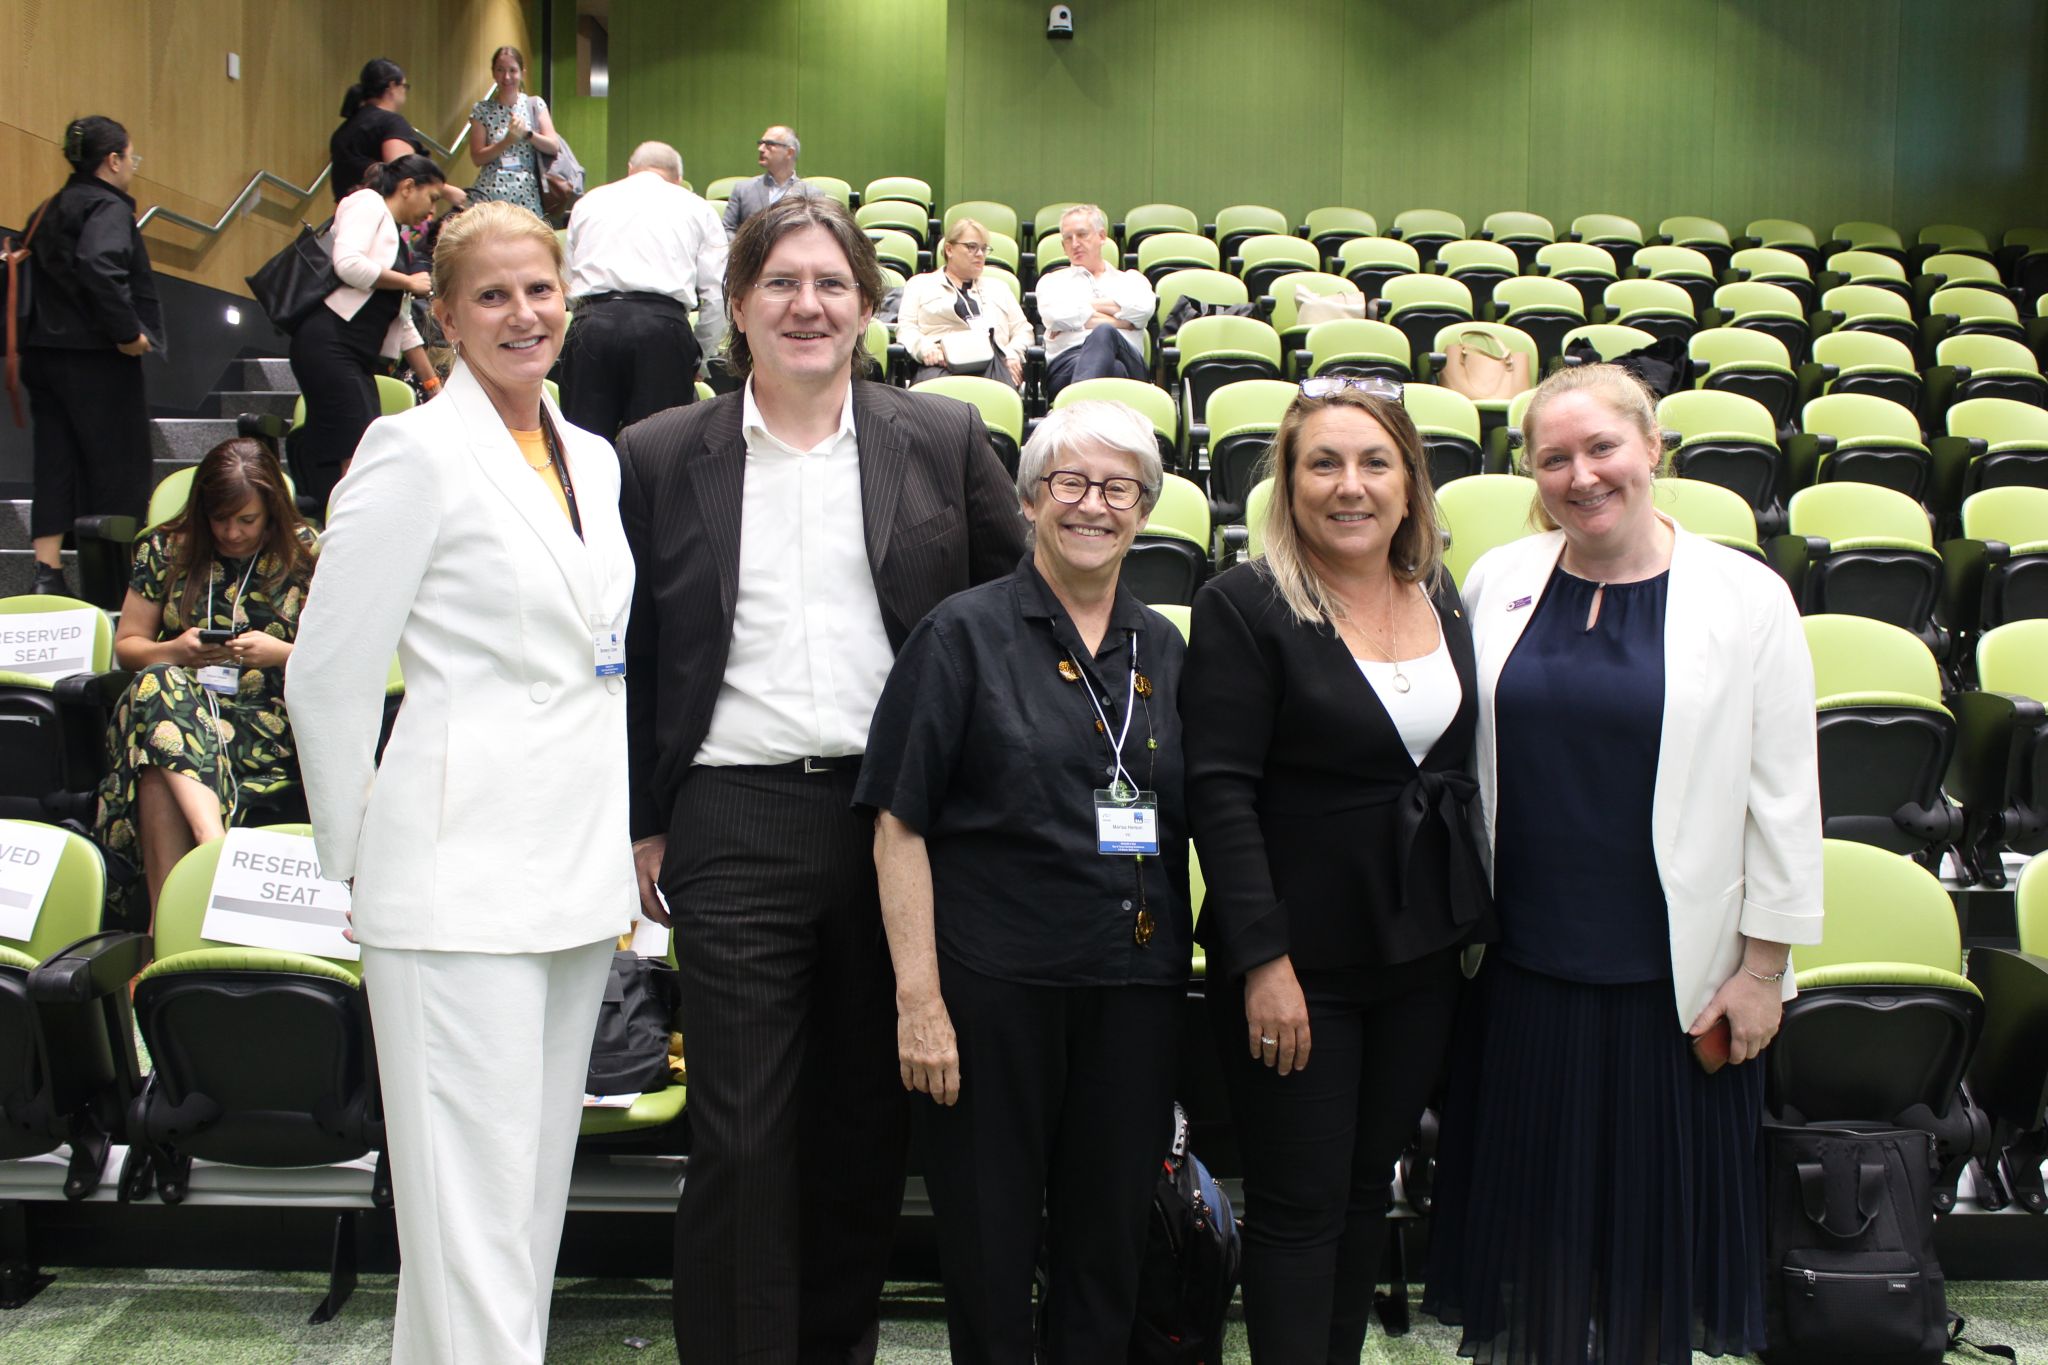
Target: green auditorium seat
1492,411
1359,346
1257,504
2008,1076
1996,570
1955,239
1864,236
1870,268
1619,236
1151,400
1783,234
1481,512
1285,291
1857,549
1449,425
1421,306
1703,235
1165,252
1503,444
1002,410
1767,308
1885,736
1546,309
2000,773
1751,363
1687,267
832,187
1859,438
1242,418
1773,265
1046,222
904,188
1330,228
1427,229
1658,307
1708,509
1236,222
1524,233
68,1067
1479,266
1608,340
1264,257
1946,268
1213,351
1209,286
901,250
1990,443
721,189
987,212
1885,1024
1730,440
1861,362
1169,559
896,215
53,725
1147,219
1969,310
1587,267
1369,262
1867,308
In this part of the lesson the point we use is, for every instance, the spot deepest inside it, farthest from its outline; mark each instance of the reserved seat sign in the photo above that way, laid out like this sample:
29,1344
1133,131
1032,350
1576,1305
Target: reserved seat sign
28,862
268,893
48,645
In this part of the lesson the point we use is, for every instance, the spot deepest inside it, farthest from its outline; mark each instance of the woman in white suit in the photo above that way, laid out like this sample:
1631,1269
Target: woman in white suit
1647,768
479,536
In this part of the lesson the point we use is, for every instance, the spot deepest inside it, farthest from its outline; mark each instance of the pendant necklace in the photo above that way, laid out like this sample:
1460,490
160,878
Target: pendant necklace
1394,639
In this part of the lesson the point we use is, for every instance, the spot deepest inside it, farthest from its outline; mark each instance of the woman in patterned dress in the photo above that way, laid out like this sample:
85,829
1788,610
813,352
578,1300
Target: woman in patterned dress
508,134
202,721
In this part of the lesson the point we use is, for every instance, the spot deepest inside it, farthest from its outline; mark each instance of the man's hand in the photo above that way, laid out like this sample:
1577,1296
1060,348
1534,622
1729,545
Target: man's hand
647,857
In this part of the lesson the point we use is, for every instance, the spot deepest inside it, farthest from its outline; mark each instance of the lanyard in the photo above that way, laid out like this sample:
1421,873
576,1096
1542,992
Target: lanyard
1117,772
241,593
547,436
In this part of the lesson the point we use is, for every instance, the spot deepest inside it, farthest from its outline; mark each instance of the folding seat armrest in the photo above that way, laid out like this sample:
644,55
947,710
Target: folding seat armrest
1377,309
2009,1069
1745,242
1262,307
1209,231
1234,266
1298,363
1661,239
1993,730
1734,275
1539,268
93,689
1710,316
1027,266
1429,364
1231,541
115,530
1573,237
1963,565
924,261
266,425
1672,439
1169,360
1130,260
1696,370
1791,556
1116,229
96,965
900,366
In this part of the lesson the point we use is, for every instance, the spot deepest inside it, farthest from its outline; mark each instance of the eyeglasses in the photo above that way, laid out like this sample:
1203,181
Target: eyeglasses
1070,486
783,289
1330,385
971,248
770,142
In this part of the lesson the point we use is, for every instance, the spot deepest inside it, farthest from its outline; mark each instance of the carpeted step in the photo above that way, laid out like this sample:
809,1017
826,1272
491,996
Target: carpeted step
18,571
272,373
274,402
184,440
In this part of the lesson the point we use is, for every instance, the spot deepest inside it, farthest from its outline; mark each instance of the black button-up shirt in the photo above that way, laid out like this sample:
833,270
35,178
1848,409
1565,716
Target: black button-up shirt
984,748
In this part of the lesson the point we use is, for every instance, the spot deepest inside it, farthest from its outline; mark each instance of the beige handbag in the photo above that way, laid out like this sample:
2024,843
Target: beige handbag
1312,307
968,351
1480,365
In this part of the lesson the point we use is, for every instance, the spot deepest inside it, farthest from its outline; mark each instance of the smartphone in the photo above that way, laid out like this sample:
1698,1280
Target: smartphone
217,637
1710,1049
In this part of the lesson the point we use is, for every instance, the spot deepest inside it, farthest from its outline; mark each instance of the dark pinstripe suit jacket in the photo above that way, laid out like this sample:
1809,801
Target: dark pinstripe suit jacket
940,514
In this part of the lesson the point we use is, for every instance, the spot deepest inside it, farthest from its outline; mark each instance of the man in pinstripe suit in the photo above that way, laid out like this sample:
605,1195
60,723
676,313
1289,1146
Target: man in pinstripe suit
787,537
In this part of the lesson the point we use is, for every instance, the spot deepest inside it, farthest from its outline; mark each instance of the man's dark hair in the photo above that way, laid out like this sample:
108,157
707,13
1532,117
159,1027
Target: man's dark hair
757,237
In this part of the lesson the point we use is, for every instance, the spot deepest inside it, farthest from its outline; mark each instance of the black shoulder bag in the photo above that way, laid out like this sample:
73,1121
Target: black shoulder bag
298,279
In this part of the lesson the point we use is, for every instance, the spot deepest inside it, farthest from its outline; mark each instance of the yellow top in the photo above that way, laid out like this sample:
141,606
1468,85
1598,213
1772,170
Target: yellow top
535,449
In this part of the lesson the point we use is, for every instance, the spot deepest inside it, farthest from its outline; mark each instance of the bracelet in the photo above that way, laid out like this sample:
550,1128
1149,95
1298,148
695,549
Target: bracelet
1778,975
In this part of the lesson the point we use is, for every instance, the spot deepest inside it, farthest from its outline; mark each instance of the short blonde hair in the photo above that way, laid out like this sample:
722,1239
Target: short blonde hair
1619,391
464,233
1416,552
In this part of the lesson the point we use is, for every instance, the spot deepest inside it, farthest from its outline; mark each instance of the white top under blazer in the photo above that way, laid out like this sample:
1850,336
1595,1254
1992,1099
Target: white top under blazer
497,820
1735,818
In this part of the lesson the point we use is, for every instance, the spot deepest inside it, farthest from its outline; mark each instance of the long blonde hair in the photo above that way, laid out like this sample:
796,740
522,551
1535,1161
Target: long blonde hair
1416,552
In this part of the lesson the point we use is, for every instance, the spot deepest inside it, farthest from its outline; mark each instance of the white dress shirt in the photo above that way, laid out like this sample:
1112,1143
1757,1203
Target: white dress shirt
809,650
646,235
364,244
1067,297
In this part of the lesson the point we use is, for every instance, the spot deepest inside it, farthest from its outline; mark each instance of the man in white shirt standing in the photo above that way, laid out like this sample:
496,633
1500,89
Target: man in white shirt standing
778,150
787,537
643,254
1092,313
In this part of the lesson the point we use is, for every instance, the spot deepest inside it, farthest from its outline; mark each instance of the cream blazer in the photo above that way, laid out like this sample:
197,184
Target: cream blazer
1736,814
497,820
926,313
364,244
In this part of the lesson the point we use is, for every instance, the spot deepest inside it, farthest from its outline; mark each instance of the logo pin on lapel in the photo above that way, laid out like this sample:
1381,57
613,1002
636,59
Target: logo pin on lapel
1519,603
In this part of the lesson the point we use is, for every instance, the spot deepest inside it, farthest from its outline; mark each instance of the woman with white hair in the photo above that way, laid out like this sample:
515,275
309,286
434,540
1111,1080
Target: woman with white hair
1025,765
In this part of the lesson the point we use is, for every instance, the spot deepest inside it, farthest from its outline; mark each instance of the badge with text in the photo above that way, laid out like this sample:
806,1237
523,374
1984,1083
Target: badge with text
222,679
28,862
1126,821
48,644
610,648
268,892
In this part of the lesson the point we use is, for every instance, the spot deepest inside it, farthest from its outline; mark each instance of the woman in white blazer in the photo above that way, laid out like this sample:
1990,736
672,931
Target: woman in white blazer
954,300
1647,769
335,351
479,537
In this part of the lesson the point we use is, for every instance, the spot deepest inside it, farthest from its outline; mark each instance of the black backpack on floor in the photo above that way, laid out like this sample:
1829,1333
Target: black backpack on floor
1191,1263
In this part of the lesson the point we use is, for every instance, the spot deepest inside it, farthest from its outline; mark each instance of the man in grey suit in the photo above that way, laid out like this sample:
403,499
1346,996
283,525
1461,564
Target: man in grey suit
779,148
787,537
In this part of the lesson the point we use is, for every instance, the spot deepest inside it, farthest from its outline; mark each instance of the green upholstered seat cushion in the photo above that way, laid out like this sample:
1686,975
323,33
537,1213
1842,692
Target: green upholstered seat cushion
249,960
1884,974
14,957
654,1109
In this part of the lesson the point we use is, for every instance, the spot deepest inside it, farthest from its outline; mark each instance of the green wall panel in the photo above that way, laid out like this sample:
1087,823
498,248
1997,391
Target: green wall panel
1971,146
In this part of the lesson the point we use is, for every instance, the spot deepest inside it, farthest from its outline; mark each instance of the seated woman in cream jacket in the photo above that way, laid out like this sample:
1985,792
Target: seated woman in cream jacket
955,301
478,536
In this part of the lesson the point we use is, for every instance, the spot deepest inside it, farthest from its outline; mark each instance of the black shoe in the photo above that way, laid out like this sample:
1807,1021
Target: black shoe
49,580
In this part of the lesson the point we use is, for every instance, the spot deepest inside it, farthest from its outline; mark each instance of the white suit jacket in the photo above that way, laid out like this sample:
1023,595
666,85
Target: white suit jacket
497,821
1736,814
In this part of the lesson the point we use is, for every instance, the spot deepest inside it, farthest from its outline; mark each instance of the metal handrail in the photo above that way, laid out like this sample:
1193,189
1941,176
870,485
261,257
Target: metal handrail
262,178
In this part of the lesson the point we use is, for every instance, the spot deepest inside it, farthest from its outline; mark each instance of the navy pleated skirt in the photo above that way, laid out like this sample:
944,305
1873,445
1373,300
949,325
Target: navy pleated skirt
1599,1197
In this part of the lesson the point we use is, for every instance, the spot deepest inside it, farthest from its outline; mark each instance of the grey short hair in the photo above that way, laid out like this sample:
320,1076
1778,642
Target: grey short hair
656,156
1095,215
1100,422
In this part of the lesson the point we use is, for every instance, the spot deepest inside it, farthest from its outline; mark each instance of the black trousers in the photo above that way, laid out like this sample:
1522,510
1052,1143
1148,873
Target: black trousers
91,437
1066,1106
1319,1147
798,1118
333,359
626,359
1104,355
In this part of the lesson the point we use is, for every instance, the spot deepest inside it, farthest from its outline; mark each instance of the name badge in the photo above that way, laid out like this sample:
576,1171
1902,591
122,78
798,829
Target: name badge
1127,827
225,679
610,649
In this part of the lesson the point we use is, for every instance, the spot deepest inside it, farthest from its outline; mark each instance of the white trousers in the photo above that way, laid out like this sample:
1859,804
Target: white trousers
482,1059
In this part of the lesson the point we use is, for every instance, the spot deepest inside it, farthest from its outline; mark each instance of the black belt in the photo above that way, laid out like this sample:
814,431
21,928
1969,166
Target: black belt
585,300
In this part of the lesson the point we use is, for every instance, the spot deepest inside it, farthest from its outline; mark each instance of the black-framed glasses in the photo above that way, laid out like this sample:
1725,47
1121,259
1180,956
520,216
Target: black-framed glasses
771,142
1372,385
1070,486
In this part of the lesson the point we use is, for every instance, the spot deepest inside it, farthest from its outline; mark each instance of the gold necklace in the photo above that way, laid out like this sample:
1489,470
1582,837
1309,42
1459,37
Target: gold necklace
1394,638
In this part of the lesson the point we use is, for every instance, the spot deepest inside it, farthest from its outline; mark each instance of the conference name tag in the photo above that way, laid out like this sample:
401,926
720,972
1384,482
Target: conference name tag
48,645
225,679
28,863
610,648
1127,827
268,892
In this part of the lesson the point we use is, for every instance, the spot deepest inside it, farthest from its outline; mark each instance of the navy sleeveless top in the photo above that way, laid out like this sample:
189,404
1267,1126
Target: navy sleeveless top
1579,714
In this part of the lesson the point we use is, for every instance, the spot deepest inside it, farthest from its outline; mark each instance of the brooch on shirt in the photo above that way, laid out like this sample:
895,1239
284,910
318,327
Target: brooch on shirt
1068,671
1143,685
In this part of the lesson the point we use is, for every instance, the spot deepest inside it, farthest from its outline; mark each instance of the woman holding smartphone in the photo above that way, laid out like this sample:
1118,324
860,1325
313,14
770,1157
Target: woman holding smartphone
211,612
1646,763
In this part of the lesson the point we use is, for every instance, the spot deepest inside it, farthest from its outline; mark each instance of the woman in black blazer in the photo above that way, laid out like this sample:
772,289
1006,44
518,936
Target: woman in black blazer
1328,706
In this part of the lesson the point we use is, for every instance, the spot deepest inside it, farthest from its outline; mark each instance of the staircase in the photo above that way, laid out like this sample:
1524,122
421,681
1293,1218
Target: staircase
264,386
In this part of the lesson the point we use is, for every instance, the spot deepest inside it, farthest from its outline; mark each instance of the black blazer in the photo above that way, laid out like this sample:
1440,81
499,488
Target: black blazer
1318,836
94,289
941,516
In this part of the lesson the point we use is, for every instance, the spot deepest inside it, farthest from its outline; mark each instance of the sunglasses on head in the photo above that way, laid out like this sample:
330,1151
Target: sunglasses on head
1330,385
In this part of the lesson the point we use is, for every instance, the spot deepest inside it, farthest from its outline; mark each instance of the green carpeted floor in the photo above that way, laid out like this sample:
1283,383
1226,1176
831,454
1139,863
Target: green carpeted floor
162,1317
